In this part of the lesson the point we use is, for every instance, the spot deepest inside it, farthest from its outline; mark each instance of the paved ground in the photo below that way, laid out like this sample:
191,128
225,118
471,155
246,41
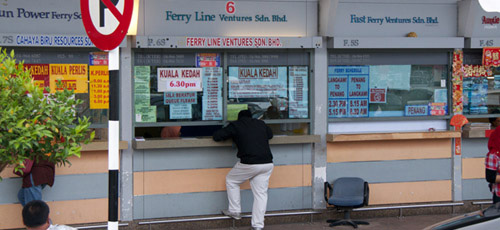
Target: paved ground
388,223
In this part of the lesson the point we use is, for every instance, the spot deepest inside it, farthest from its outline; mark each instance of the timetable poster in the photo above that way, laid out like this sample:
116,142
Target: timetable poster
348,91
99,87
299,93
143,111
40,74
257,82
212,94
72,77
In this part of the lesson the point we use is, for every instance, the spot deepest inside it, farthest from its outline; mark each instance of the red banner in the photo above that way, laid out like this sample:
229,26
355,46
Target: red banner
491,56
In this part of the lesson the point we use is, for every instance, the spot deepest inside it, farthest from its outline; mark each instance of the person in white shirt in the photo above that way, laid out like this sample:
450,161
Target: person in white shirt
36,217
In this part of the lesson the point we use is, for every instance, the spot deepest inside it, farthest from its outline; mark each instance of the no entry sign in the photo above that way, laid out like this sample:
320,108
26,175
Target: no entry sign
106,21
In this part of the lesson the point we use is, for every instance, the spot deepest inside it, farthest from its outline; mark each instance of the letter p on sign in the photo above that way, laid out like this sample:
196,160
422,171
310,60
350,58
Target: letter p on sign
106,21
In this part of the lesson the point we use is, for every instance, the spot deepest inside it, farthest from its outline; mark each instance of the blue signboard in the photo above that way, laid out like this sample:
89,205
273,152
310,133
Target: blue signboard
348,91
416,110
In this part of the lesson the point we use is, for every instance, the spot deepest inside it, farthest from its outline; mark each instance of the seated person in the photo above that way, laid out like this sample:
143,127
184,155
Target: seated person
36,217
171,131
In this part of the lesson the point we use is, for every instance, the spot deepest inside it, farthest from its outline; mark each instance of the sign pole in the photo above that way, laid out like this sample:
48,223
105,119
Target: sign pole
113,139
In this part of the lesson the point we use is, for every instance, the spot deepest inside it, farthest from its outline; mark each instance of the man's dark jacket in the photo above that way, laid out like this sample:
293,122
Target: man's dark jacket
252,139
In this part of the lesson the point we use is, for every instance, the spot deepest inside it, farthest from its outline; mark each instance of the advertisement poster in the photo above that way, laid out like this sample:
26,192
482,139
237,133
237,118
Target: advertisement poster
491,56
143,110
416,110
378,95
207,60
257,82
212,94
145,114
348,92
98,58
99,87
180,111
179,98
40,74
438,109
179,79
72,76
299,94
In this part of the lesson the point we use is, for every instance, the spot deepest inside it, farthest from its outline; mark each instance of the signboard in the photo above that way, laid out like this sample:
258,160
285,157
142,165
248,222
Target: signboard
231,18
106,22
179,79
72,77
299,93
207,60
98,58
378,95
348,93
212,94
257,82
438,108
99,87
172,98
491,56
40,75
416,110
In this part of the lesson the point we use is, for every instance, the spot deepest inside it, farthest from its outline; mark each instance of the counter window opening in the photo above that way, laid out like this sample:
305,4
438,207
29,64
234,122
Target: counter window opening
384,87
273,86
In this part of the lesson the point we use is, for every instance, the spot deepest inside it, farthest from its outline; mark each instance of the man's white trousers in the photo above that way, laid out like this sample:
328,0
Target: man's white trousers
258,174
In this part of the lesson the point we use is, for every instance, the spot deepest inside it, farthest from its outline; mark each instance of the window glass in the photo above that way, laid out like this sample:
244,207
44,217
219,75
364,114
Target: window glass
387,91
481,90
177,97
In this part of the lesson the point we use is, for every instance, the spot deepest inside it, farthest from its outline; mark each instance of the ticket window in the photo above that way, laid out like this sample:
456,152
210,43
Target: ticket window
381,86
272,89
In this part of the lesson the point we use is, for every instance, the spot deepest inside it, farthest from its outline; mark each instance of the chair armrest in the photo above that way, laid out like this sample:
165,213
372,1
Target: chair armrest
327,191
367,193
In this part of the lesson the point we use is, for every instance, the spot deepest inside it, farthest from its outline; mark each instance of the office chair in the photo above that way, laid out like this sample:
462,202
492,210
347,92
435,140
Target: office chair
346,194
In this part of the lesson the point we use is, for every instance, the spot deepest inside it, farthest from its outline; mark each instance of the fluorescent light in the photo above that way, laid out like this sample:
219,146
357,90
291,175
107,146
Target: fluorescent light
490,5
132,29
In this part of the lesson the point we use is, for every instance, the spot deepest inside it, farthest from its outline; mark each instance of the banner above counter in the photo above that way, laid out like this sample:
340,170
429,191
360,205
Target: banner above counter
389,19
292,18
227,42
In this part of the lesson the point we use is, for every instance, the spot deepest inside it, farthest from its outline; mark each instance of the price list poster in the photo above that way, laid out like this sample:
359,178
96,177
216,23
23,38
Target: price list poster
348,91
143,111
72,77
99,87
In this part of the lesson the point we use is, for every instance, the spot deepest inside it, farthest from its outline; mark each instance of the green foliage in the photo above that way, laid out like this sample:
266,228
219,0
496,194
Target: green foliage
33,125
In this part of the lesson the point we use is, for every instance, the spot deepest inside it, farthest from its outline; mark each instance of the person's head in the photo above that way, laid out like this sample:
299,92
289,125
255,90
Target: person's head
36,215
244,113
495,121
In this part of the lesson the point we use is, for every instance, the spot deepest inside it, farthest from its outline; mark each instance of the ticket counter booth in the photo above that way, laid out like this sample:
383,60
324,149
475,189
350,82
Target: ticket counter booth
190,81
481,100
389,99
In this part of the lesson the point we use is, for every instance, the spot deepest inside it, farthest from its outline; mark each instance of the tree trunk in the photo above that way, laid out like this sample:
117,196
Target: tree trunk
2,166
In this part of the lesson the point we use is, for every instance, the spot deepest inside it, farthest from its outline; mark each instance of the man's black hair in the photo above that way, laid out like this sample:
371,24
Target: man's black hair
35,213
244,113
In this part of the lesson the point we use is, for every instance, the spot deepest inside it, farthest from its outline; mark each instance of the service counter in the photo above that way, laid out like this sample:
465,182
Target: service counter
401,167
199,142
190,172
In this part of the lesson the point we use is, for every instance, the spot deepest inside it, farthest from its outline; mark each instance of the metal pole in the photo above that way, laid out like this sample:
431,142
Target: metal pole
113,138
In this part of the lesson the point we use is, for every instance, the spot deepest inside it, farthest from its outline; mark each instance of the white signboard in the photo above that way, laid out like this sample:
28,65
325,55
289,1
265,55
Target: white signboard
179,79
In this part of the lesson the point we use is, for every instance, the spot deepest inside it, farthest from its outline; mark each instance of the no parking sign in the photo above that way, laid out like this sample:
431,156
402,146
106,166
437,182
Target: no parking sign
106,21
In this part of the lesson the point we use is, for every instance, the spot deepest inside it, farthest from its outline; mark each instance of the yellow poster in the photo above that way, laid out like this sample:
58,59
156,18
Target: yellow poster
72,76
99,87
